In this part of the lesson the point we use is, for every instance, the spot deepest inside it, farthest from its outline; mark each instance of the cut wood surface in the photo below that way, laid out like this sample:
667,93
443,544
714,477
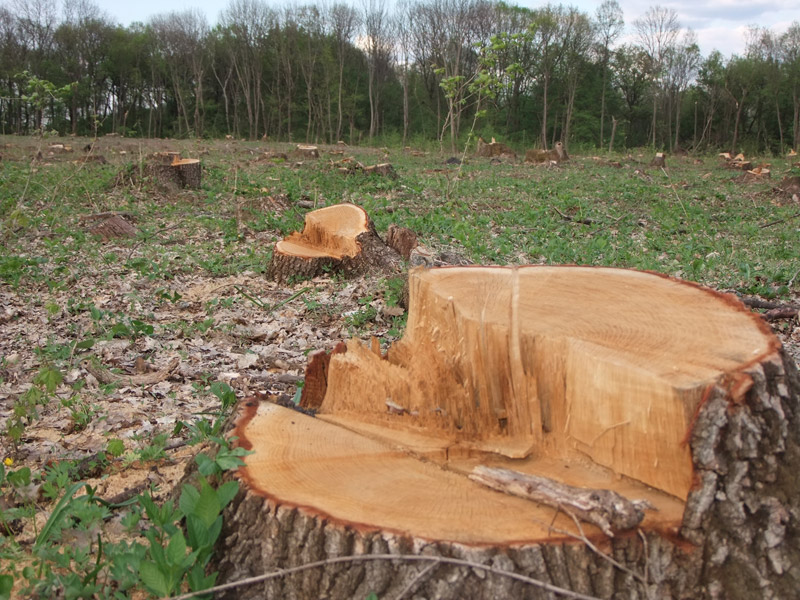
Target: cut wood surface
339,237
644,387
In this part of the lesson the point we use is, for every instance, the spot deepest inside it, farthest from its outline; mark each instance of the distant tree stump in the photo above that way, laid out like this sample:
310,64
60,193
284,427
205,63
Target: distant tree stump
113,226
382,169
338,238
303,151
493,149
183,173
606,379
758,174
659,161
557,154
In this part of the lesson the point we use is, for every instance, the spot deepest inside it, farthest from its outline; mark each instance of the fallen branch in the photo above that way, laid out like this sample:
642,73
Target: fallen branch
573,219
106,377
783,312
398,557
607,509
779,221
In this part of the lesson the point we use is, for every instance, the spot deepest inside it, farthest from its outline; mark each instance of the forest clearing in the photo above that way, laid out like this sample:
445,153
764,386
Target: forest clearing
141,311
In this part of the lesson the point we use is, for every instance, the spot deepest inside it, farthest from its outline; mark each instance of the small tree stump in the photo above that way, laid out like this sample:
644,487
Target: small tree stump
557,154
493,149
402,239
758,173
601,379
339,238
303,151
183,173
113,226
659,161
382,169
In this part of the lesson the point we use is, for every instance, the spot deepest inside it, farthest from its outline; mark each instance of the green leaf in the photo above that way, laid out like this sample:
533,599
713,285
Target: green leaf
153,579
56,515
208,506
226,492
205,465
188,500
198,580
198,532
49,378
227,461
115,447
176,549
7,584
20,477
85,344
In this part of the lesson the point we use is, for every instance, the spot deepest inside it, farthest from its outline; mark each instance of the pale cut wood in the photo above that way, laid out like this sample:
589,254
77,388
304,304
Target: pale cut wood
612,376
515,361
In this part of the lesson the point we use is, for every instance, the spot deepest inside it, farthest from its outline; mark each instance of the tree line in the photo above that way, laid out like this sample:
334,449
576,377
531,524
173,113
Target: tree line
420,70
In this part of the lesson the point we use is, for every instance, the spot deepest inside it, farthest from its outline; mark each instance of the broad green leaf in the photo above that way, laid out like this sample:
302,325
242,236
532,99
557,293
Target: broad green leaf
208,506
49,378
226,492
7,584
176,549
153,579
188,500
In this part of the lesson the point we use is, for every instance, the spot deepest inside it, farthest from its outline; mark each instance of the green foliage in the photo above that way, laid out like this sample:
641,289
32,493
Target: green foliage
179,540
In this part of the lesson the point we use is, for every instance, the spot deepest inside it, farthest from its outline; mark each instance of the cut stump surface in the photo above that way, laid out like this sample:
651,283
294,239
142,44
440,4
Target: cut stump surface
340,238
604,379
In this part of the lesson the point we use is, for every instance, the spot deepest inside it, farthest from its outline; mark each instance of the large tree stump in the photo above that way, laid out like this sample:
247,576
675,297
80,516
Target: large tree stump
338,238
607,379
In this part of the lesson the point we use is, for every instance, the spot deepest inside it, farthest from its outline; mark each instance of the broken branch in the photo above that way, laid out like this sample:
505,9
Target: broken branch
607,509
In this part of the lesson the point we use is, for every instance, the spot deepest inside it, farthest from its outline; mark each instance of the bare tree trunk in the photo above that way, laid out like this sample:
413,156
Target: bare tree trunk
603,106
613,132
544,111
405,104
796,121
653,124
739,106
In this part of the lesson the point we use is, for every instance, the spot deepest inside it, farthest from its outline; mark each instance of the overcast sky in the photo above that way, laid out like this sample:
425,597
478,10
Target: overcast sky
719,24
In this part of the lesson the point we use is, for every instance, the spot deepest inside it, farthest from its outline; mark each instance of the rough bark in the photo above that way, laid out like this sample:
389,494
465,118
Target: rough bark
181,173
402,239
